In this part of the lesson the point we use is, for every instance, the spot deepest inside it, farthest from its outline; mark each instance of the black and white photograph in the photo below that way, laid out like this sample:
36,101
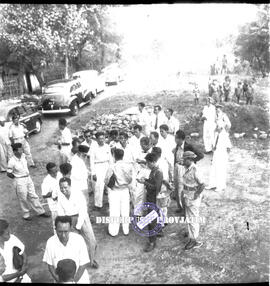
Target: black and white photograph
134,143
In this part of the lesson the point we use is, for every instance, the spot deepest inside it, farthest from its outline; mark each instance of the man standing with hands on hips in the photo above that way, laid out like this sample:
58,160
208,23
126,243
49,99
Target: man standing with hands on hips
193,187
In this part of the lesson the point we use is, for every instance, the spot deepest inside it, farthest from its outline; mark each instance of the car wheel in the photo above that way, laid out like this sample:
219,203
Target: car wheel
74,108
38,126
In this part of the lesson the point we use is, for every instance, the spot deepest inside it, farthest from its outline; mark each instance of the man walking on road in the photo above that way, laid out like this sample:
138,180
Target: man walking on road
18,134
64,141
23,184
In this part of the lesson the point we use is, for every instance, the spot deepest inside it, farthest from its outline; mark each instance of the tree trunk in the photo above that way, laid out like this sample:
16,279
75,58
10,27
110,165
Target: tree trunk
66,64
20,78
66,59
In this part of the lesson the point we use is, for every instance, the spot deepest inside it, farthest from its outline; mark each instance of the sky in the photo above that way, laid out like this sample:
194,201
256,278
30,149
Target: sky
184,34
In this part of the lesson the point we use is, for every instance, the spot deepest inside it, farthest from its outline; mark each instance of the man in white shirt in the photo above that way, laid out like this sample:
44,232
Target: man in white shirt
119,193
23,184
5,147
167,144
50,189
154,140
160,117
172,122
100,159
143,118
72,203
89,142
7,242
134,141
64,141
209,125
17,134
66,244
79,172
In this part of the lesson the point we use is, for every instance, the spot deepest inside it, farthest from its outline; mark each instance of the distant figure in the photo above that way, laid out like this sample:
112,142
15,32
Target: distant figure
249,94
214,91
196,93
224,67
238,91
227,88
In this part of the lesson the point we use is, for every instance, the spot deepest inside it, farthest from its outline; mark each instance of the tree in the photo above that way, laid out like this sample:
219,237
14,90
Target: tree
34,33
252,43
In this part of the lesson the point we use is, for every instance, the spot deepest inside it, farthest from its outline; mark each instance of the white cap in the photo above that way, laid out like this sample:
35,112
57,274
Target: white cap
2,118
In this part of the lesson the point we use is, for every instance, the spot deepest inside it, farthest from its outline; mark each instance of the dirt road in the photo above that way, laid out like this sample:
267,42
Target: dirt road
233,251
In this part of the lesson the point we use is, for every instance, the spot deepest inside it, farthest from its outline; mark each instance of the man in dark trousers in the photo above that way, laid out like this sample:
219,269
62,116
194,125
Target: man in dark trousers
181,147
152,186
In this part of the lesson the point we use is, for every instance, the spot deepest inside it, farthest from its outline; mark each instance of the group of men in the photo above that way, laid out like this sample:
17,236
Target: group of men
225,93
144,168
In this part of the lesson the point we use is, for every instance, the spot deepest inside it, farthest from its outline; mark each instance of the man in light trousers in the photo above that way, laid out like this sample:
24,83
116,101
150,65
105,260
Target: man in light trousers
100,160
193,187
24,186
119,198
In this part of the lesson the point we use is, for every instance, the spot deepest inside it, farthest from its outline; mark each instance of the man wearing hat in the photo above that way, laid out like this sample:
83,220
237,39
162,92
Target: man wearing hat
208,117
181,147
79,172
5,147
193,187
222,145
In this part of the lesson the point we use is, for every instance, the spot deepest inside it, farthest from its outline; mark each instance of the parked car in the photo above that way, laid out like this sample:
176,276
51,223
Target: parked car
90,80
64,96
112,74
29,114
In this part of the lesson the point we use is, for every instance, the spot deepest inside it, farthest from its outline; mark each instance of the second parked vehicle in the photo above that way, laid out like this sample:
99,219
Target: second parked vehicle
64,96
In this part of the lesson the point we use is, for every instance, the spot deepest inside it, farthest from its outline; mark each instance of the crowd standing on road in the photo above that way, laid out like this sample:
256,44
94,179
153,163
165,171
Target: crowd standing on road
155,165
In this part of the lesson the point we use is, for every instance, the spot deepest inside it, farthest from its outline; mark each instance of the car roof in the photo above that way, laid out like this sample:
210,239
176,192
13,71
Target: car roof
85,72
